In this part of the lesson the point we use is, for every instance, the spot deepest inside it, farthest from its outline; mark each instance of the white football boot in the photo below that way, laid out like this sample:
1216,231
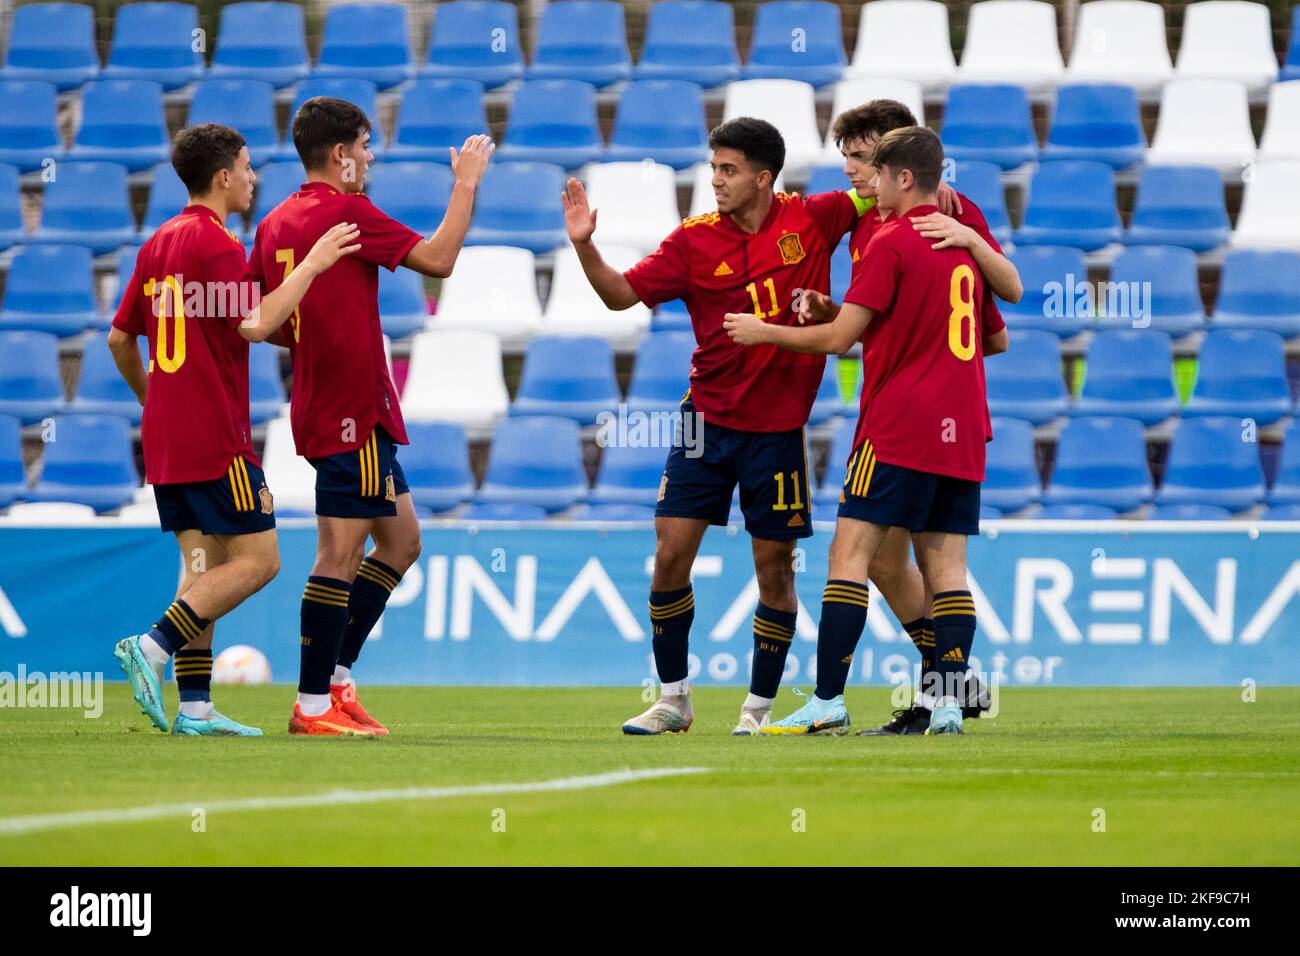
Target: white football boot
667,715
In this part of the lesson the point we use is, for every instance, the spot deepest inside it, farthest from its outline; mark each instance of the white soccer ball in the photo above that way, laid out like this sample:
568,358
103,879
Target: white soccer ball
241,664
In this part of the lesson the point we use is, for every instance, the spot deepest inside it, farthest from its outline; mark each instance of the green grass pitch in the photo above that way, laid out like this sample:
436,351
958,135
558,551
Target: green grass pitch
1187,777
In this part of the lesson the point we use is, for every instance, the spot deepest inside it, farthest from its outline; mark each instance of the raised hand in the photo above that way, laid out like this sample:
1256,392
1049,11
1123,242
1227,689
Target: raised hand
469,164
948,231
339,241
579,219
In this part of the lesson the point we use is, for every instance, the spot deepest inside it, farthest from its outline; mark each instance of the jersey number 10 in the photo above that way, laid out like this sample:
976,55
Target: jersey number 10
170,354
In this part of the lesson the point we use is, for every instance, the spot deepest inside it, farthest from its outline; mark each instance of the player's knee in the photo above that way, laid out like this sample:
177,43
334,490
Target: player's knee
267,567
672,565
411,552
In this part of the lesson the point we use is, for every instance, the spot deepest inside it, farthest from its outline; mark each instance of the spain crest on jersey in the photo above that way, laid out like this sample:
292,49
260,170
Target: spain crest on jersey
791,248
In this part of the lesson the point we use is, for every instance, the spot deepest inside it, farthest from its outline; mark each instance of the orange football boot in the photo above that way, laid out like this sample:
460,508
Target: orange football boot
344,697
333,723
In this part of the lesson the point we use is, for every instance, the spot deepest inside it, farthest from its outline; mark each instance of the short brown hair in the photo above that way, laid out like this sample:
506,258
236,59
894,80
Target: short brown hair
200,152
873,118
323,121
915,148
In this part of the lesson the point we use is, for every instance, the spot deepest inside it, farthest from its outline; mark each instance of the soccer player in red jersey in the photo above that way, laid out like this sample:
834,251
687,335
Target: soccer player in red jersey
758,251
920,444
191,295
344,409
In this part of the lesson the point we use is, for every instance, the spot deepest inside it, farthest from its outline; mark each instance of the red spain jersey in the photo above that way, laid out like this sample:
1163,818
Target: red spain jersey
924,405
341,384
716,267
188,294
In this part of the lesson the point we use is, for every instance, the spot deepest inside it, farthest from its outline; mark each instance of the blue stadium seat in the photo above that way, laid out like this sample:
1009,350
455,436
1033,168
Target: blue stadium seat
1098,121
1076,513
475,40
841,270
1130,374
436,465
90,462
661,373
553,121
582,40
1101,461
265,41
13,481
403,308
837,460
535,461
276,182
87,204
671,317
1210,464
101,390
662,120
629,473
991,123
826,178
435,115
1027,383
502,511
1071,203
358,91
1286,484
1174,305
50,289
1260,289
125,268
797,40
830,401
987,513
568,378
1242,372
122,122
415,194
245,105
1179,206
616,513
1189,512
11,212
1011,480
517,205
1049,275
692,40
982,183
265,386
29,127
366,41
155,41
53,43
30,387
1291,68
1281,513
167,197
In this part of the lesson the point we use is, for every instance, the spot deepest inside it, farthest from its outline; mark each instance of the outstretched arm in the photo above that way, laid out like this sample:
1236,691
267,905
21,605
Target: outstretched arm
829,338
436,256
269,314
580,221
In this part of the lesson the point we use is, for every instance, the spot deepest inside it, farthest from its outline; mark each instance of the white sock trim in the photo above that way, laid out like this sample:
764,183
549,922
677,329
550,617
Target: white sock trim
678,688
155,653
754,702
313,705
342,675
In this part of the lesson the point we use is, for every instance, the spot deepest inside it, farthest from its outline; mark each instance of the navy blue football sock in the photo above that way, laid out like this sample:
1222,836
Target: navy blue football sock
773,632
844,614
671,614
324,616
954,633
370,590
194,673
178,626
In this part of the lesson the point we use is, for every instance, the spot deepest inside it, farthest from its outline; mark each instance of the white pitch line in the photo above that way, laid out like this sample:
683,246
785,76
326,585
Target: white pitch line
1064,772
14,826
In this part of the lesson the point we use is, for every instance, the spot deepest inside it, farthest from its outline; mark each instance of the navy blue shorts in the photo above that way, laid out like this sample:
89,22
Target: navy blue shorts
239,503
901,497
360,484
770,467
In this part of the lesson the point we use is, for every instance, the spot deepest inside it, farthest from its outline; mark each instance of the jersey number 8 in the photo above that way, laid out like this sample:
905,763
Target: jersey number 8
961,320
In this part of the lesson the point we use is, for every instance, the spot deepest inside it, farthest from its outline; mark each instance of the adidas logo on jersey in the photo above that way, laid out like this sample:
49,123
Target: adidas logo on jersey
723,269
954,656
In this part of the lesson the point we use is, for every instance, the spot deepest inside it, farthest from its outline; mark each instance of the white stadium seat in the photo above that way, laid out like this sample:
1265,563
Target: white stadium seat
48,513
1012,41
573,307
456,376
637,203
1121,41
855,92
790,106
1270,207
904,39
702,198
1281,139
291,479
492,289
1228,40
1203,123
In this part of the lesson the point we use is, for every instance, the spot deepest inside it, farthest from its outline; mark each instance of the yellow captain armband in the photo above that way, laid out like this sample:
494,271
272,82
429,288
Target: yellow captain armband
862,205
